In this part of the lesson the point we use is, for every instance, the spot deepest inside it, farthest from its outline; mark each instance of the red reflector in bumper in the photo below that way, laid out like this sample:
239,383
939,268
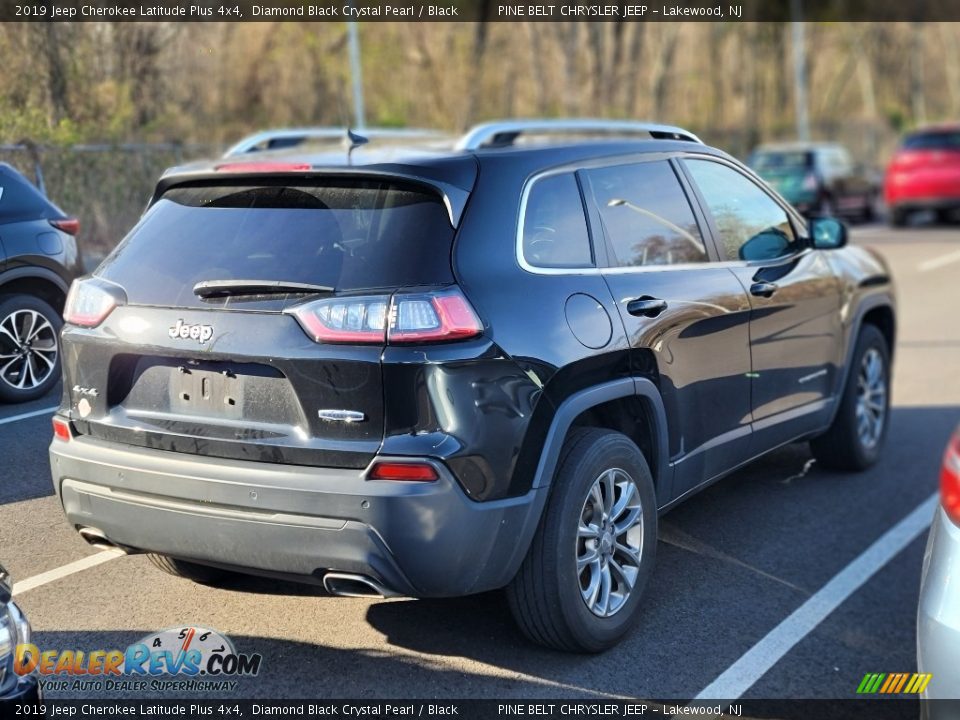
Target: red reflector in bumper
404,472
61,429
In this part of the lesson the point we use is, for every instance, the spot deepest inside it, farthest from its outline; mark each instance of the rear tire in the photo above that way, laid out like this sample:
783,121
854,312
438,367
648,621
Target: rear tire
898,218
29,348
580,586
203,574
858,431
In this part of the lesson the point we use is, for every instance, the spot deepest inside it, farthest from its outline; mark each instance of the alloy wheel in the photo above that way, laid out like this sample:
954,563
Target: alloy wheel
28,349
871,398
609,542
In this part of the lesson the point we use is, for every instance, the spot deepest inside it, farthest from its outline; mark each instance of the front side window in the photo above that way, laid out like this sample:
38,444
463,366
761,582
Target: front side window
750,224
554,226
645,215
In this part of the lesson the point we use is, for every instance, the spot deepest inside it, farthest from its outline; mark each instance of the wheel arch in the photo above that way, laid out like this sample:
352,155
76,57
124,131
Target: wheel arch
632,406
38,282
877,310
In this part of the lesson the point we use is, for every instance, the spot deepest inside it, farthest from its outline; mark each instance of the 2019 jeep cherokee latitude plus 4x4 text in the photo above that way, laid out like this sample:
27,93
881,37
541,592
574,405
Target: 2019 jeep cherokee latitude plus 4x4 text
441,373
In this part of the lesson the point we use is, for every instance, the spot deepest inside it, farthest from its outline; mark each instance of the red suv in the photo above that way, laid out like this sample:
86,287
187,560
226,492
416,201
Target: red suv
924,174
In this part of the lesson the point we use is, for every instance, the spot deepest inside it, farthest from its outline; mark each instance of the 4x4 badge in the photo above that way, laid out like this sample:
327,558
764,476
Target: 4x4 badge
192,332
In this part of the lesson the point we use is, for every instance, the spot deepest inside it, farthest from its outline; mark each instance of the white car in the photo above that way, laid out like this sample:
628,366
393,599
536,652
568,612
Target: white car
938,616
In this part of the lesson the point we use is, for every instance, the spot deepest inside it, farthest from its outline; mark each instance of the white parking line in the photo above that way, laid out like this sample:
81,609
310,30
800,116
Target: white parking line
63,571
24,416
753,664
939,262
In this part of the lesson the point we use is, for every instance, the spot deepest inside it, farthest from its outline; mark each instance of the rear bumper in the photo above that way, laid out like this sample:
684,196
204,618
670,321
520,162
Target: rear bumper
417,539
938,616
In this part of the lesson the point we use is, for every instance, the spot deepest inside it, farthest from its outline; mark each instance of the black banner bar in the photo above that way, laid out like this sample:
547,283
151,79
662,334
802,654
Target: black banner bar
474,10
550,709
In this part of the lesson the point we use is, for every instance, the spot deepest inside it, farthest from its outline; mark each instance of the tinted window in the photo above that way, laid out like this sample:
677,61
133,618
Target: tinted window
554,226
347,234
942,140
751,225
645,214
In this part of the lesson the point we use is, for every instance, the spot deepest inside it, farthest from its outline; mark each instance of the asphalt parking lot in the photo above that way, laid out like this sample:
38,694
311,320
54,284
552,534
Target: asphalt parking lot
734,563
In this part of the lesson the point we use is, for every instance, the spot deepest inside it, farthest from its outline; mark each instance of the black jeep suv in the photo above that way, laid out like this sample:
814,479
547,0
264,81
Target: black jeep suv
441,373
38,261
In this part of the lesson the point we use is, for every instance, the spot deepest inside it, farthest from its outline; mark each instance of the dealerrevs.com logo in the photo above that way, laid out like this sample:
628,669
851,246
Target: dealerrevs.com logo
198,658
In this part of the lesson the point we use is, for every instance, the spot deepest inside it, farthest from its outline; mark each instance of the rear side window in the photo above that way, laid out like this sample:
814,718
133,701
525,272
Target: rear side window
941,140
554,225
346,234
646,216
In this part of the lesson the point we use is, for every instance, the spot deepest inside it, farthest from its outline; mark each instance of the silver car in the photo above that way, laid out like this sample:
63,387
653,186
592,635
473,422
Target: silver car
938,617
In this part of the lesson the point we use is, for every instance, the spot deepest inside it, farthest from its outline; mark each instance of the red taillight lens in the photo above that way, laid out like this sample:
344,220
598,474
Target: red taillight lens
403,472
61,429
345,319
431,317
406,318
950,479
87,304
71,226
262,167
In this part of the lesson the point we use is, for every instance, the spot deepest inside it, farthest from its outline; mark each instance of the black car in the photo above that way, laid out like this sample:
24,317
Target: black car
440,373
38,261
818,178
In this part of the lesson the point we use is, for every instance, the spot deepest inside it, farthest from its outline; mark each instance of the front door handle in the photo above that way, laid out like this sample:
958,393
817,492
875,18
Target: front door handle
763,289
646,306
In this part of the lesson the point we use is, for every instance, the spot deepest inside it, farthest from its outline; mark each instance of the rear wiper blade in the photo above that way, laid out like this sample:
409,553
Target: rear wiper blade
226,288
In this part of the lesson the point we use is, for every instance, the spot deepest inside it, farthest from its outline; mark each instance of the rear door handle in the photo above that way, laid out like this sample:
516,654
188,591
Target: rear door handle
763,289
646,306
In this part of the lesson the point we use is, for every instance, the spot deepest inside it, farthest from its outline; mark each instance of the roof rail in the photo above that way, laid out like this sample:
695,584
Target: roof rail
290,137
504,133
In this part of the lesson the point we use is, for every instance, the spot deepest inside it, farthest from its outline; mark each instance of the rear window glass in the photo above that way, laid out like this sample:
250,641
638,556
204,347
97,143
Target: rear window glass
349,235
19,200
933,141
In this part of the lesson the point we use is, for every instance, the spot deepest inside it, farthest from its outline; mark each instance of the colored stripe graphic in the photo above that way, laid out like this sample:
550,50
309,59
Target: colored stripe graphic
894,683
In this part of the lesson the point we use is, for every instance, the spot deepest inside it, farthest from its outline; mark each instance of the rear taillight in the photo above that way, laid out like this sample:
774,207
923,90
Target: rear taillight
88,303
403,472
61,429
950,479
404,318
432,317
71,226
360,319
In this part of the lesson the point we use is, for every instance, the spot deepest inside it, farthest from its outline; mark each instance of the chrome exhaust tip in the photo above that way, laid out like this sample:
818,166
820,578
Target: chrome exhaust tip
96,538
352,585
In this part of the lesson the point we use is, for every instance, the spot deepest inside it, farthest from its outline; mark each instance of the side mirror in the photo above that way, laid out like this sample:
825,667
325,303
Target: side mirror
827,233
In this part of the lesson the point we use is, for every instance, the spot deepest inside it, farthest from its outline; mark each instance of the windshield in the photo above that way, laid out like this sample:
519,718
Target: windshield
345,234
781,162
933,141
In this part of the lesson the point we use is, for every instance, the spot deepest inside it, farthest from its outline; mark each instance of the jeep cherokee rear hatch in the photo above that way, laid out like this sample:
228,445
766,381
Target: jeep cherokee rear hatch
245,317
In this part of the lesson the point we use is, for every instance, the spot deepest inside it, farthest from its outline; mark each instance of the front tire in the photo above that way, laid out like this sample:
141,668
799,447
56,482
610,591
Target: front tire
29,348
580,586
856,436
